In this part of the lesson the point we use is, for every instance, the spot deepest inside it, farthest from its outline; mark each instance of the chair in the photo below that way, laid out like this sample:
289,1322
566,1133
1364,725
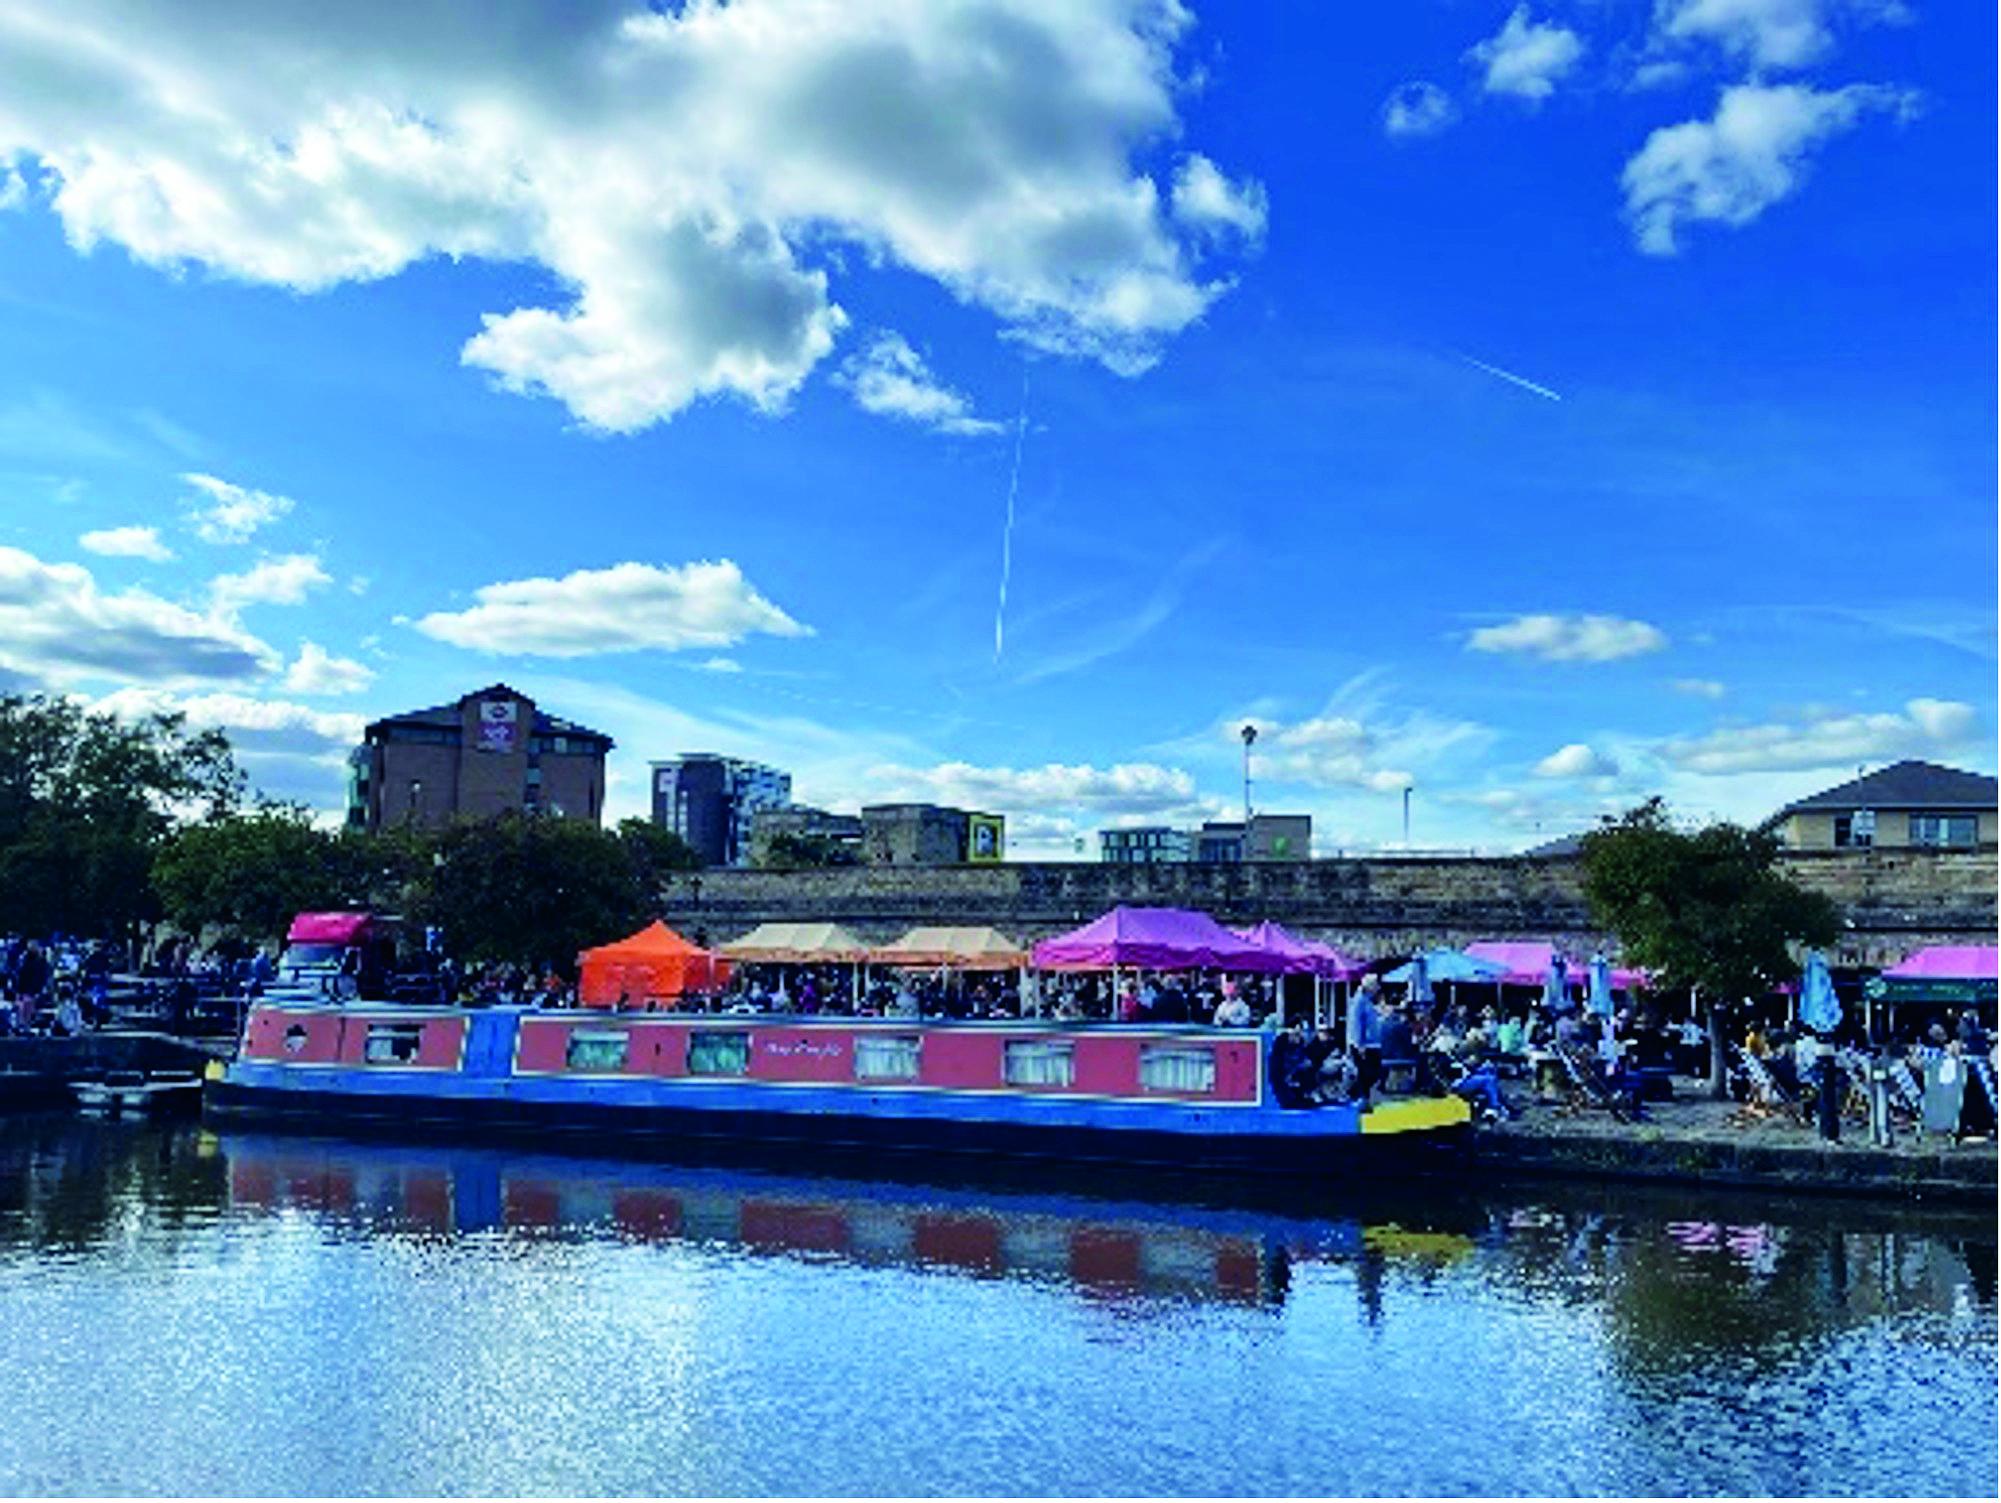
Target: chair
1766,1090
1588,1087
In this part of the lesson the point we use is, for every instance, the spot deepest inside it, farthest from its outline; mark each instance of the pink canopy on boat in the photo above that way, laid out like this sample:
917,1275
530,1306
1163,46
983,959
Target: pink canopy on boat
1527,962
1160,939
1308,957
1948,963
329,928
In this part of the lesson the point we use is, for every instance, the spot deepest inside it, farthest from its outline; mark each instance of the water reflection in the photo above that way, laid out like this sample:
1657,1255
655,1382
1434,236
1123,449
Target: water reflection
1609,1340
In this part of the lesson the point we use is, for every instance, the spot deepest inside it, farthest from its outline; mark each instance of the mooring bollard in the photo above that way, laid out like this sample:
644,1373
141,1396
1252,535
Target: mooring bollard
1879,1101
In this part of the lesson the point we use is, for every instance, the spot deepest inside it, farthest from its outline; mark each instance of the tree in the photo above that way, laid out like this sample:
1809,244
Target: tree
654,851
1708,911
248,874
535,889
786,850
87,800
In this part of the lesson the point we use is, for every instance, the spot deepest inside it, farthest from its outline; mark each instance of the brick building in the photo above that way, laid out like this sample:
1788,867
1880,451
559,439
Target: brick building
488,753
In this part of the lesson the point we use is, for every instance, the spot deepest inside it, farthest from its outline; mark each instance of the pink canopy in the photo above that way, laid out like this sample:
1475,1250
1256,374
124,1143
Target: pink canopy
1304,956
1161,939
1527,962
1948,963
328,928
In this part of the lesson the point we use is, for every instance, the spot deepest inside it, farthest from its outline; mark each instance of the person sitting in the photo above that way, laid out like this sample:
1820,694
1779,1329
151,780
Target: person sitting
1294,1082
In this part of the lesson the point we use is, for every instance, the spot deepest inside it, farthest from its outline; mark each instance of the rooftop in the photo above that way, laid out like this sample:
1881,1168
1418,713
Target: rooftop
1904,785
450,716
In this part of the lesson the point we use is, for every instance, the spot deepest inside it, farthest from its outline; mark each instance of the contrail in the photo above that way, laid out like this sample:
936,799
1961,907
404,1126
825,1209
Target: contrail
1007,532
1523,382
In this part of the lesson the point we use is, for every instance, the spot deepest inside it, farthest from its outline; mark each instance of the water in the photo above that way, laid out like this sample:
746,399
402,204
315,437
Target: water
187,1313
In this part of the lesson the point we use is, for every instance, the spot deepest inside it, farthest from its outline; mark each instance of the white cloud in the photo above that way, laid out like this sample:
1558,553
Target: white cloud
127,542
1752,154
57,626
889,378
1570,639
1576,760
720,665
1209,203
625,608
1699,688
1132,789
13,189
285,580
317,671
1527,58
1418,109
1770,33
226,513
689,176
1926,727
289,750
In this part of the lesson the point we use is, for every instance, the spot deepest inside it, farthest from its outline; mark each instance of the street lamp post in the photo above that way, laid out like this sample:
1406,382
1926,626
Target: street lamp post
1250,734
1406,815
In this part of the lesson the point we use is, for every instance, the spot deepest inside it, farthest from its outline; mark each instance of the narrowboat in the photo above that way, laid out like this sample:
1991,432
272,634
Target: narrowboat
1177,1097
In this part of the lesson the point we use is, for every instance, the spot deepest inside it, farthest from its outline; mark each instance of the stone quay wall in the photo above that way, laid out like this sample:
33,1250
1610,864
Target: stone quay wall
1894,900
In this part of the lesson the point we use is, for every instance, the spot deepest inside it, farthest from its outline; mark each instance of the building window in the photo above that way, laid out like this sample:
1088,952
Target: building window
892,1058
1039,1063
392,1043
718,1054
1945,829
1853,832
1187,1072
598,1049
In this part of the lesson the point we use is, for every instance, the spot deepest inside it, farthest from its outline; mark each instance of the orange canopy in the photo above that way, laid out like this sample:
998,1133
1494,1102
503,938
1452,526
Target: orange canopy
654,964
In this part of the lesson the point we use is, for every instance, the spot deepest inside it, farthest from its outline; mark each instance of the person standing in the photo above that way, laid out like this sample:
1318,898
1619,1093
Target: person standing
1364,1036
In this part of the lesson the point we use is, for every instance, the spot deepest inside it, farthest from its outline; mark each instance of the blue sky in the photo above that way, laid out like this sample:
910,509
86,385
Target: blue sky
1536,406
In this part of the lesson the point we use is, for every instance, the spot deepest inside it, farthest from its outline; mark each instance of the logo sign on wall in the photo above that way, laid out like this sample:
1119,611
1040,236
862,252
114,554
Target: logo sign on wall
499,727
985,837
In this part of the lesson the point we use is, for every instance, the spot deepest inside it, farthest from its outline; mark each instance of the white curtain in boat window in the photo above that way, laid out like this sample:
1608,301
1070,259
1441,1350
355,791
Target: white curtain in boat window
718,1053
886,1058
1165,1068
1036,1063
392,1043
598,1049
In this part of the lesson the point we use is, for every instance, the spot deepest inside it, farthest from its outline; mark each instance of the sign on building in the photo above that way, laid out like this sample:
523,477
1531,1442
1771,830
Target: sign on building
986,837
499,725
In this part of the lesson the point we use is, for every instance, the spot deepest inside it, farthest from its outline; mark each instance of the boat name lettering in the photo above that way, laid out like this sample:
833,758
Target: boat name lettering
800,1048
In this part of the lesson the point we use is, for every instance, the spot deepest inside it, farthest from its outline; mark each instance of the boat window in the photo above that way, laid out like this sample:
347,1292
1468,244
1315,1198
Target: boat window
891,1058
392,1043
718,1054
1180,1069
1038,1062
598,1049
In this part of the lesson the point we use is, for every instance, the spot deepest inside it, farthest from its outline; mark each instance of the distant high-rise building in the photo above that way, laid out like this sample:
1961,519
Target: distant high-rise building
1269,837
930,835
1145,845
709,801
491,752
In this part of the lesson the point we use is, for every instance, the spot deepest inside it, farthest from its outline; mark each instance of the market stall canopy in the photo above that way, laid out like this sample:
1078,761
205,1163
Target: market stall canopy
1527,962
329,928
655,962
1940,973
1157,939
1448,965
796,944
1307,957
972,949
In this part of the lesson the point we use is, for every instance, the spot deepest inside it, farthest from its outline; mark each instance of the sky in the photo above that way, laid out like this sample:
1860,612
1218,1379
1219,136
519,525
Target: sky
1531,408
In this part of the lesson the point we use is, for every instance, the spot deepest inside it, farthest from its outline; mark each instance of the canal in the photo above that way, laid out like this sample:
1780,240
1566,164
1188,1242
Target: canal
186,1312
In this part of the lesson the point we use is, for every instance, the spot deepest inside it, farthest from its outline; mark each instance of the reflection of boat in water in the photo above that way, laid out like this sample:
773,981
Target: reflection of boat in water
1187,1098
135,1093
1098,1247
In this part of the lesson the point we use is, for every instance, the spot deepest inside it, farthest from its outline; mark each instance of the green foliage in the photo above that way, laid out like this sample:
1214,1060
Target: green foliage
654,852
786,850
1708,910
87,801
535,888
247,874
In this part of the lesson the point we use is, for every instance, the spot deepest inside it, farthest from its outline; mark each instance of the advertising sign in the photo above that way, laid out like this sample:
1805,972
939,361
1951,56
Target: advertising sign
499,728
986,839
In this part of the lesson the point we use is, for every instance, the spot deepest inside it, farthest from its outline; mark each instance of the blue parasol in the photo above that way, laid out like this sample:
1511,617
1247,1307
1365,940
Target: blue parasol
1820,1009
1601,986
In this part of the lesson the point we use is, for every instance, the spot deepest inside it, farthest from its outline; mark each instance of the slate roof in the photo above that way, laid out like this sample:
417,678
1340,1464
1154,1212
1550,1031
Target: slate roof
1905,785
447,716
